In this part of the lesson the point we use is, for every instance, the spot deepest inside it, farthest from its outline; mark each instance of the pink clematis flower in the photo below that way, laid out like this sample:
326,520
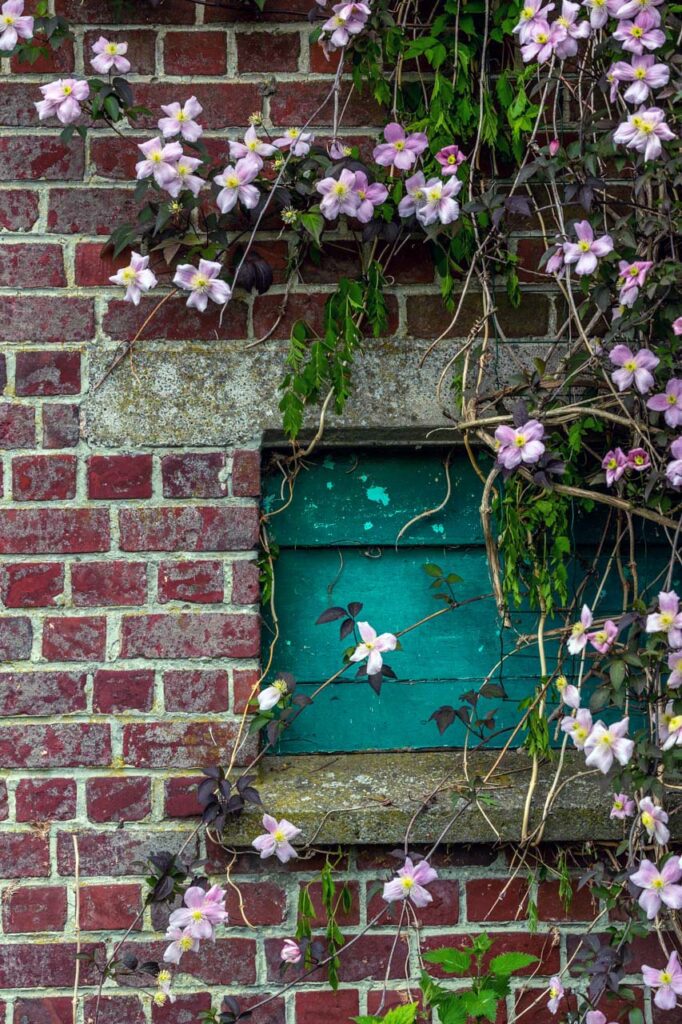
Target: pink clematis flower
677,326
673,737
110,56
673,470
668,618
400,150
180,120
578,639
63,98
347,21
439,202
203,284
631,277
272,695
450,157
574,29
631,8
555,263
599,12
587,250
623,806
295,140
410,883
596,1017
277,839
641,34
415,187
638,459
644,74
615,463
669,402
136,278
606,743
654,818
542,41
369,196
570,695
658,886
183,942
14,25
578,727
667,983
160,161
556,994
201,913
339,195
184,178
530,14
633,368
644,131
251,147
602,639
675,666
291,952
235,185
521,444
372,647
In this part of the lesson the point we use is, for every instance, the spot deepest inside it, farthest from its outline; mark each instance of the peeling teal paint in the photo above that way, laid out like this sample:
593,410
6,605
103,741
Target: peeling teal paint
438,528
330,485
378,494
368,526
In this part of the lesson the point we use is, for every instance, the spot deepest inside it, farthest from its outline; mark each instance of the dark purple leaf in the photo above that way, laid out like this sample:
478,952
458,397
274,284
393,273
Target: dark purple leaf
443,717
205,790
346,628
375,681
355,607
330,614
388,672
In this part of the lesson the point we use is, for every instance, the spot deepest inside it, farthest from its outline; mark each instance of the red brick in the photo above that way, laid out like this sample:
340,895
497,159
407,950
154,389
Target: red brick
118,798
313,1007
48,373
243,682
89,211
40,157
206,56
39,318
75,639
46,799
198,582
48,1010
109,907
31,584
276,10
43,477
493,899
185,1010
88,12
108,583
265,903
120,476
111,160
31,265
117,690
45,965
54,62
180,797
245,583
23,855
272,1012
3,373
174,322
194,475
16,638
367,958
4,802
308,306
17,426
428,318
34,909
18,209
194,528
61,426
583,906
224,105
229,961
344,919
296,102
112,1010
54,746
41,693
53,531
282,51
94,264
116,853
444,910
187,635
141,48
180,744
198,691
320,63
531,1005
246,473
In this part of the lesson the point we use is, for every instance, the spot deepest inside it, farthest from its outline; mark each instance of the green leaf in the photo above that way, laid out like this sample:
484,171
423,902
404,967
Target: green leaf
453,961
508,963
482,1004
398,1015
313,223
431,569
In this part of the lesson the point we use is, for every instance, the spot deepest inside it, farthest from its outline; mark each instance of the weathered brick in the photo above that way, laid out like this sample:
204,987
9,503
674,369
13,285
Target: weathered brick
54,530
16,638
75,639
227,961
23,855
265,903
118,690
88,12
246,473
17,426
48,373
31,584
54,746
39,318
53,61
185,1010
180,797
46,799
194,475
44,965
61,426
193,528
174,322
4,801
18,209
89,211
313,1007
95,264
224,104
115,798
42,693
245,583
296,102
206,56
243,683
31,265
497,899
112,1010
277,11
198,691
109,907
427,318
443,910
583,906
46,1010
368,958
197,582
43,477
104,854
119,476
32,157
107,584
180,744
34,909
187,635
282,51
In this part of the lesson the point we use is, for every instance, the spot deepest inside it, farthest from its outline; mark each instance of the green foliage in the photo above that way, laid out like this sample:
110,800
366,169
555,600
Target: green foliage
406,1014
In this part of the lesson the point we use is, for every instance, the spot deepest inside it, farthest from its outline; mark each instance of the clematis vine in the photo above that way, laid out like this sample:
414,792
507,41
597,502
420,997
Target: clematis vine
235,185
531,13
614,464
653,818
666,983
578,727
136,278
658,887
277,839
415,187
669,402
573,30
202,284
644,132
399,150
201,913
520,444
251,147
668,618
675,666
369,196
578,638
347,21
291,952
570,695
62,99
296,141
450,158
633,368
110,57
160,161
439,203
670,731
641,34
180,120
586,252
372,647
14,25
184,178
556,994
602,639
623,806
644,74
339,195
183,941
410,883
271,696
673,470
606,743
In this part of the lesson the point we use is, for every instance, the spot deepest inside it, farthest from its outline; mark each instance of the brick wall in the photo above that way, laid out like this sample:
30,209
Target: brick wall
129,620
